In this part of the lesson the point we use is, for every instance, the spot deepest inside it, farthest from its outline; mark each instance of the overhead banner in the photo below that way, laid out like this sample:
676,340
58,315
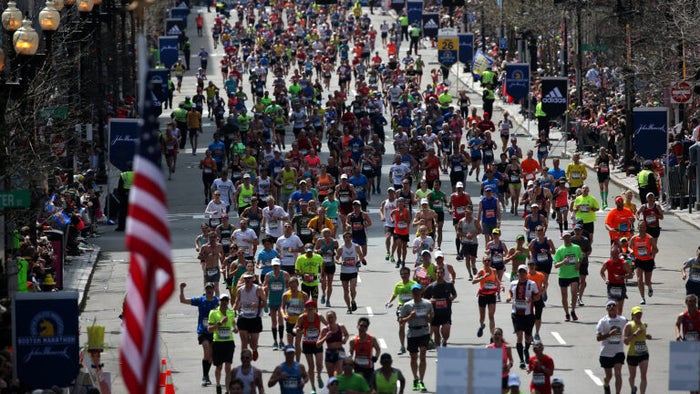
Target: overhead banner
414,11
123,134
466,47
431,24
168,49
448,47
45,337
517,80
554,96
159,78
480,63
650,132
398,5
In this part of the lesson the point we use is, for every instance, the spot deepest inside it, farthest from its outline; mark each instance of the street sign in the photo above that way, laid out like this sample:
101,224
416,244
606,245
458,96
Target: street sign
681,92
57,113
448,47
15,198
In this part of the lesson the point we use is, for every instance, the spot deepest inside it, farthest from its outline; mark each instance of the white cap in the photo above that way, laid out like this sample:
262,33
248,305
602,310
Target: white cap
423,201
438,253
460,184
276,261
344,176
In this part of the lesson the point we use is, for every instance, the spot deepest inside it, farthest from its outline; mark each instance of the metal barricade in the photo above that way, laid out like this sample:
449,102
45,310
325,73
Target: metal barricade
677,188
586,138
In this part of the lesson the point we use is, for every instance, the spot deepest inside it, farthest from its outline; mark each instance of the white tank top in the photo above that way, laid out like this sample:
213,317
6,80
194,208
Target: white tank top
348,260
248,379
389,206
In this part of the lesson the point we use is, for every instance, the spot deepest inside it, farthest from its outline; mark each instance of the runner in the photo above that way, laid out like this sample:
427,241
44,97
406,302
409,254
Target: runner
507,358
497,249
620,221
585,245
326,247
561,206
615,272
307,330
358,221
635,336
345,193
308,267
441,294
539,279
246,373
651,213
644,249
334,335
204,304
402,292
349,381
211,257
602,168
220,323
364,350
348,256
437,201
489,213
385,210
576,174
291,375
289,246
523,293
423,242
489,286
612,353
385,379
263,261
541,366
585,206
517,255
568,259
417,313
246,239
688,322
250,301
273,218
692,285
292,306
460,202
468,230
426,217
401,219
274,286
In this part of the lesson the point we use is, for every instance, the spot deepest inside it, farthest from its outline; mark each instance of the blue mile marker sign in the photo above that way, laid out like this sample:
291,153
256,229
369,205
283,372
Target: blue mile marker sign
517,80
448,47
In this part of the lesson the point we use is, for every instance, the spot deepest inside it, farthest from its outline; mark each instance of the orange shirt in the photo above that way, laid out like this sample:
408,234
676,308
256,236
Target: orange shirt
490,284
529,167
620,220
538,278
642,247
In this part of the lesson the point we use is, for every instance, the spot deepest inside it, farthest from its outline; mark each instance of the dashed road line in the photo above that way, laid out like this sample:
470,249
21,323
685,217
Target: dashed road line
382,343
594,378
370,313
558,338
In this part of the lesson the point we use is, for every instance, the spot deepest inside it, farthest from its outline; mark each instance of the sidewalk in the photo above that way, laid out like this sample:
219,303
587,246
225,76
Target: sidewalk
617,177
77,271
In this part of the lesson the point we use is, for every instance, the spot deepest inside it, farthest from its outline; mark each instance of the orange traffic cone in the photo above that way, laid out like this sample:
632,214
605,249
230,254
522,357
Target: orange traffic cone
163,369
169,388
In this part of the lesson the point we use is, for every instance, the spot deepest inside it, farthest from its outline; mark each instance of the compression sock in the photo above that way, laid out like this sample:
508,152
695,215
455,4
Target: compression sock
527,351
519,347
280,329
561,227
458,244
274,334
566,225
206,366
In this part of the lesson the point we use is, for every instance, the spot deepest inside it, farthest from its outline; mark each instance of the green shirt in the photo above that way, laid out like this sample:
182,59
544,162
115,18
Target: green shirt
420,194
403,291
355,382
384,385
309,266
224,332
331,208
403,20
436,199
585,205
572,254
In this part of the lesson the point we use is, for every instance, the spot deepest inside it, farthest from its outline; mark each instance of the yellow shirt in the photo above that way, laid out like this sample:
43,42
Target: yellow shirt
576,174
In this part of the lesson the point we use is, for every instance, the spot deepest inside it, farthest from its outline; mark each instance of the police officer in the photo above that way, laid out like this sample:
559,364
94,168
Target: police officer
542,119
415,38
646,179
126,180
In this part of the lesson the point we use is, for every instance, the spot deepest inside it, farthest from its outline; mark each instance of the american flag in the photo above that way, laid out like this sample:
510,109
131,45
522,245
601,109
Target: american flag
151,279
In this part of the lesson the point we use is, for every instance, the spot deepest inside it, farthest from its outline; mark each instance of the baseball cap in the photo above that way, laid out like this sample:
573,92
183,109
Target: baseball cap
438,253
356,202
496,231
308,247
246,176
619,199
332,380
391,189
531,183
289,349
566,234
401,199
611,303
624,239
424,201
426,251
557,381
344,176
522,267
209,285
519,236
276,261
579,227
488,189
248,275
224,297
513,380
310,304
303,181
416,286
636,309
460,184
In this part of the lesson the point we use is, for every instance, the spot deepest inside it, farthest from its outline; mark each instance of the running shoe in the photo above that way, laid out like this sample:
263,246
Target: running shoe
415,384
328,303
354,306
459,258
313,392
274,346
349,312
522,365
634,390
431,344
421,387
473,270
606,389
480,331
387,257
319,380
544,297
580,302
643,301
498,297
537,337
398,263
390,259
323,298
568,317
267,309
471,277
402,350
651,292
205,382
218,389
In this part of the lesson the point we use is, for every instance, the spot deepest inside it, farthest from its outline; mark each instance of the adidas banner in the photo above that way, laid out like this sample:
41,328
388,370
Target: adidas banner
180,13
650,132
517,80
431,23
174,26
554,96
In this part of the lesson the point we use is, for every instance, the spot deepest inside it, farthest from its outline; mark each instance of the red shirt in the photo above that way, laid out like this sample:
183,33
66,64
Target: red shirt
615,271
540,380
432,171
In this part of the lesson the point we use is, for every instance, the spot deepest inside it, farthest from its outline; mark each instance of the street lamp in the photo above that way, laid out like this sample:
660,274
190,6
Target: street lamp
26,39
11,17
49,18
85,5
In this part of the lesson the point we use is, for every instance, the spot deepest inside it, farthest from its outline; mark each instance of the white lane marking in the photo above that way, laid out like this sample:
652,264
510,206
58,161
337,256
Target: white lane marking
382,343
558,338
369,311
594,378
198,217
359,280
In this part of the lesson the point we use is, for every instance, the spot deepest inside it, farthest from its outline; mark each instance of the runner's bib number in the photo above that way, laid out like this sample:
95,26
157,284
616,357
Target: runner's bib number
276,286
615,292
441,303
538,379
640,348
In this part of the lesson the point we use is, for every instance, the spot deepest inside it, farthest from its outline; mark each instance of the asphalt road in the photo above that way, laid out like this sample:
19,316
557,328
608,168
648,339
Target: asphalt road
572,345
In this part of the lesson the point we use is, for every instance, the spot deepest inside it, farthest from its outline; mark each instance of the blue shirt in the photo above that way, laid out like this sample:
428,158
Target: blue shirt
218,150
204,306
557,174
473,150
298,195
265,259
360,183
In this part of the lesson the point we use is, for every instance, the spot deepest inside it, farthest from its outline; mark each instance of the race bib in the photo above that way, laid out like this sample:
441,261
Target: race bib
623,227
437,204
357,226
532,235
327,259
497,259
309,277
575,175
695,277
224,332
272,225
276,286
542,257
642,251
615,292
640,348
402,225
294,310
603,168
212,271
305,231
457,169
290,383
405,297
362,361
246,200
615,339
520,305
254,223
490,213
441,303
311,334
571,259
344,199
367,167
651,219
289,186
349,261
584,208
514,178
490,285
460,210
538,378
249,310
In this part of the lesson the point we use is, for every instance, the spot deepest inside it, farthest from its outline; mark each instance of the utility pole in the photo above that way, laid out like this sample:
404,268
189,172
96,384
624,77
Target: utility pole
579,54
483,28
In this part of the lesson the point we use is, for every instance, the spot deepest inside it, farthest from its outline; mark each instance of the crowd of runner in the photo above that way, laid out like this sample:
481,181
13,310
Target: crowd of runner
281,221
